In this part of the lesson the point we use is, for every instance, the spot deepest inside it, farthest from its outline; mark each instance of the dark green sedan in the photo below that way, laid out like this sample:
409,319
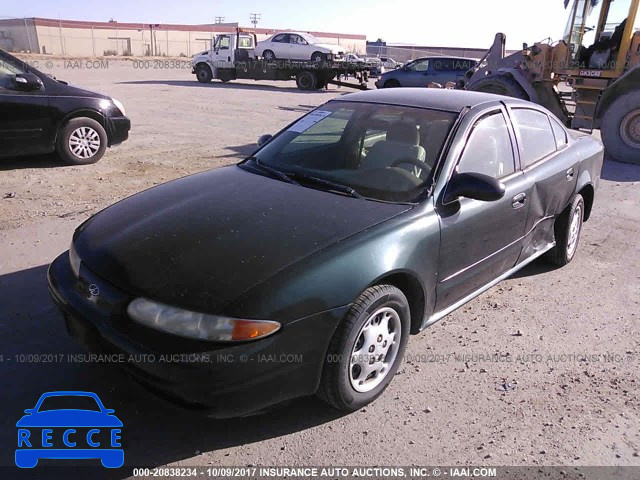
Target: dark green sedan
304,269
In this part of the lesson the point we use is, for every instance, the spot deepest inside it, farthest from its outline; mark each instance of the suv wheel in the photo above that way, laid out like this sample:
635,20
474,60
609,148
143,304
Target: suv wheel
82,141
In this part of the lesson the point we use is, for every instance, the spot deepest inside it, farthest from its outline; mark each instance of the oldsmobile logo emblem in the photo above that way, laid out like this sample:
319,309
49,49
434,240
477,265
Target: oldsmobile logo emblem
94,290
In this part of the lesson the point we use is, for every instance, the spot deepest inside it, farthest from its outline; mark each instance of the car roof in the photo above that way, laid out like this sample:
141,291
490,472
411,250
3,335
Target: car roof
421,97
444,57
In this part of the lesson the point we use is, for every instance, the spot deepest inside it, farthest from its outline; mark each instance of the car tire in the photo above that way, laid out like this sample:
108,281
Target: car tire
81,141
204,74
306,80
268,55
318,57
391,84
620,128
567,229
500,85
344,385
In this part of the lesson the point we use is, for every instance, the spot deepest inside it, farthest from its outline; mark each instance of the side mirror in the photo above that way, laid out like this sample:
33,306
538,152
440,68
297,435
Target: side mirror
264,139
109,411
29,411
27,82
473,185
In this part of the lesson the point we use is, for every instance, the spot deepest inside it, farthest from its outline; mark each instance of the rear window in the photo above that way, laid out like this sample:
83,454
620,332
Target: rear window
536,136
69,402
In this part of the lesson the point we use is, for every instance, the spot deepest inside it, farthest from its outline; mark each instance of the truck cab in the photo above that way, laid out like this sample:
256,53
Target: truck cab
226,50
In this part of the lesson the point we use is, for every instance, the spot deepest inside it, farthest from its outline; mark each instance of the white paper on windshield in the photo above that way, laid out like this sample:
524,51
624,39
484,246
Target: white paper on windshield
309,121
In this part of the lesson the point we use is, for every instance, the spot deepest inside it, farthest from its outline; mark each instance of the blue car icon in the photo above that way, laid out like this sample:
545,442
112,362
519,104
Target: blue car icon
69,425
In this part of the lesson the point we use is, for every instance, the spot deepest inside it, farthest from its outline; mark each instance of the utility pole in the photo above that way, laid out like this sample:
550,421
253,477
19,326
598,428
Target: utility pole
219,20
255,17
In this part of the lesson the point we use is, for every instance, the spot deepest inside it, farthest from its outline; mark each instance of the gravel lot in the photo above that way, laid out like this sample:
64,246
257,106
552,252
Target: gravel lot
541,370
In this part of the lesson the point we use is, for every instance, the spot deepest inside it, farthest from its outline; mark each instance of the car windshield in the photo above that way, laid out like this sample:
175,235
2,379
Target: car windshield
69,402
382,152
310,38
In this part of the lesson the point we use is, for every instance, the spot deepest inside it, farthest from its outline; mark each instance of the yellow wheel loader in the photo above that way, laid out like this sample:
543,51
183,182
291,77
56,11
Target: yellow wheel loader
590,79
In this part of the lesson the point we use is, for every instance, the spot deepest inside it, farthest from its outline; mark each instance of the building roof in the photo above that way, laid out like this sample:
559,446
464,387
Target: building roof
217,28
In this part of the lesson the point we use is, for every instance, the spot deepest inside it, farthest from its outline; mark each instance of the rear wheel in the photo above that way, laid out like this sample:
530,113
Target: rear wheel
366,349
204,74
621,128
268,55
81,141
567,232
500,85
306,80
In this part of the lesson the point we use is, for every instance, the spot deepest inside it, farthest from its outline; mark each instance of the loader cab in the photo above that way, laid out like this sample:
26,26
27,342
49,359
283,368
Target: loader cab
600,35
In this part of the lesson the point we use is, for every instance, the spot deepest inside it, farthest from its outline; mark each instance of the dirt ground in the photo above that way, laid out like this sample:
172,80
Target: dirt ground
541,370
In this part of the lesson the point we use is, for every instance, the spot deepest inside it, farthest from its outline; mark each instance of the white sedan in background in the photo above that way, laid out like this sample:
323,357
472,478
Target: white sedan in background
297,46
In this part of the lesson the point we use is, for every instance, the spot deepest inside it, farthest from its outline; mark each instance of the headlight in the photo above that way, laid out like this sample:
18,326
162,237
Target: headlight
118,104
74,259
196,325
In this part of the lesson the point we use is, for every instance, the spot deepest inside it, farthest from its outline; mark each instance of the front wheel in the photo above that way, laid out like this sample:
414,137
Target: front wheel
568,227
391,84
621,128
366,349
204,74
318,57
81,141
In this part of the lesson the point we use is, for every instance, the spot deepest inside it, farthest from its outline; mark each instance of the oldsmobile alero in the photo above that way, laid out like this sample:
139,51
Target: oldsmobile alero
304,268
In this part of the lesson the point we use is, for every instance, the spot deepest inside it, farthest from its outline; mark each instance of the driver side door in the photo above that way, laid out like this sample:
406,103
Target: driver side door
417,74
26,123
482,240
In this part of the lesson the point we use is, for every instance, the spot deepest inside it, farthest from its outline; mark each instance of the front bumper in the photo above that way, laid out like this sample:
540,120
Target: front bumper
118,129
222,379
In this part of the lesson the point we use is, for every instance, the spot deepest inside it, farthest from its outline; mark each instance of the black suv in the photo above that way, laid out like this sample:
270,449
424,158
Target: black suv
39,114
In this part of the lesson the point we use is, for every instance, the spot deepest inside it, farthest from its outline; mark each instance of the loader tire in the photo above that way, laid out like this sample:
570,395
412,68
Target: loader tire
620,128
500,85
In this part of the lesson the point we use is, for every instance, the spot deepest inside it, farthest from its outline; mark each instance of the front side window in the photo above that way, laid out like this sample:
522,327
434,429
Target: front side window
222,43
9,68
384,152
419,66
536,136
489,149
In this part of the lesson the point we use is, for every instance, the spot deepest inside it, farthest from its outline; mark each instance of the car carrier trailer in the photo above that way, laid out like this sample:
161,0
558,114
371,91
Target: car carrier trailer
232,57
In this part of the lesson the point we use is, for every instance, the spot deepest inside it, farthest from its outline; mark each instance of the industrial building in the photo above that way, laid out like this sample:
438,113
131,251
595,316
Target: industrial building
84,38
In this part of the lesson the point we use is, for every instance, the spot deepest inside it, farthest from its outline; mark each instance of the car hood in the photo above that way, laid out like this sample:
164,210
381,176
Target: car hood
329,46
201,241
69,418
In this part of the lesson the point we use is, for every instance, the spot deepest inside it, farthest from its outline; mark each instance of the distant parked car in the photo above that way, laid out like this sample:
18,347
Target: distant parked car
390,63
39,114
423,71
298,46
353,58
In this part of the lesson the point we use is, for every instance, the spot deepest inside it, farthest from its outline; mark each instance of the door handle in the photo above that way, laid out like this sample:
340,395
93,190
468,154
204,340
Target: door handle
519,200
570,173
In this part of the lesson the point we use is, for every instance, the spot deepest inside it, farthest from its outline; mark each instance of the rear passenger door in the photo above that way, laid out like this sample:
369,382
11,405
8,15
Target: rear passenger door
550,167
481,240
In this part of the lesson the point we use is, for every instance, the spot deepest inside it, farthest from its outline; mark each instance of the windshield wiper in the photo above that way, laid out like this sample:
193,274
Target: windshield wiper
273,171
338,187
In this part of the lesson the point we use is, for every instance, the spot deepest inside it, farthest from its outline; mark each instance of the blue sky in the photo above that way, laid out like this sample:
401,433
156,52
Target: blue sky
469,23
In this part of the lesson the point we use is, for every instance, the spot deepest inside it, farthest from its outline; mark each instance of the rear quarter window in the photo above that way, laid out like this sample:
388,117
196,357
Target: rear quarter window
560,133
